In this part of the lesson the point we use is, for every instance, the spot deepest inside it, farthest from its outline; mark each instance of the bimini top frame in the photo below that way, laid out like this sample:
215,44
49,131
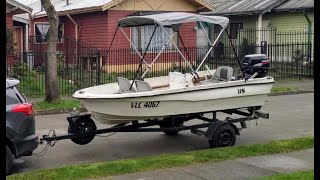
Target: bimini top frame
172,20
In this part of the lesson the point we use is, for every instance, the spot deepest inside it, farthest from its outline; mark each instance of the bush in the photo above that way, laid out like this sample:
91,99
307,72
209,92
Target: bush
23,69
61,70
298,56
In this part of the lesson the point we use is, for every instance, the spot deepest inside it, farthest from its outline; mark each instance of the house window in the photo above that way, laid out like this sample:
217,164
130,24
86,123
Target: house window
41,32
234,29
140,36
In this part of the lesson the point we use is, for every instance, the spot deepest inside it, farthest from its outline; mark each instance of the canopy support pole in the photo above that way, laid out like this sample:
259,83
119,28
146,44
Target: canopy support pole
175,45
204,30
114,35
145,52
234,50
205,57
158,55
134,47
184,47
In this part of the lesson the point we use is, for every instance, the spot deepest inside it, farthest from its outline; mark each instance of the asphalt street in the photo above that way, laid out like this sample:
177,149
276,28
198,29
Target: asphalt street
291,116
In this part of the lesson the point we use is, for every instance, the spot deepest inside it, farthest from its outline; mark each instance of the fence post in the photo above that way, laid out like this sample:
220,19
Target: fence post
98,67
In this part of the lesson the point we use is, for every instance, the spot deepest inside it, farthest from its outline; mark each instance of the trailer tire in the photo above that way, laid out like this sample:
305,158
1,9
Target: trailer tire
225,135
82,124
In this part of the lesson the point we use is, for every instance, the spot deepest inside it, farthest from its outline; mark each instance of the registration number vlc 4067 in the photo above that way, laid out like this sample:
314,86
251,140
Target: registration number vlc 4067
148,104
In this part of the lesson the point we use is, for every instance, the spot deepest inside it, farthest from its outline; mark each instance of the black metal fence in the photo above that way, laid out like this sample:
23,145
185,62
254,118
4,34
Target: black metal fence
81,66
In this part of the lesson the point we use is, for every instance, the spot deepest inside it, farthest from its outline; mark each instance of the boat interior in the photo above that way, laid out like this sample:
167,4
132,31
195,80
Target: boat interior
176,80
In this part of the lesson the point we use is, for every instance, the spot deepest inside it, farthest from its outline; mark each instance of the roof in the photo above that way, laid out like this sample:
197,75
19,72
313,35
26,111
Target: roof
21,8
295,5
82,6
74,5
172,19
22,18
249,7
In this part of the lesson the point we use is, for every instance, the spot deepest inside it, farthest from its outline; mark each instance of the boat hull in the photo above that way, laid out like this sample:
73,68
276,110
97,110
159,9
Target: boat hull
208,98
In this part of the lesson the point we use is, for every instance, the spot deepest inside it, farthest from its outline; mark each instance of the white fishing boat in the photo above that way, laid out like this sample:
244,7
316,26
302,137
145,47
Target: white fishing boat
178,93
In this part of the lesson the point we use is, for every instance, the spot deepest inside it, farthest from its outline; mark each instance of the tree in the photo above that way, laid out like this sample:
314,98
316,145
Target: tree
51,79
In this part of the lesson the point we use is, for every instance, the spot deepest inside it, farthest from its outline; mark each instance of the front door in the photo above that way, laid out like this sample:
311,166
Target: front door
18,39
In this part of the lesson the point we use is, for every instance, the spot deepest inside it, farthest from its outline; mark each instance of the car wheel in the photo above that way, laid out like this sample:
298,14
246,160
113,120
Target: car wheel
9,159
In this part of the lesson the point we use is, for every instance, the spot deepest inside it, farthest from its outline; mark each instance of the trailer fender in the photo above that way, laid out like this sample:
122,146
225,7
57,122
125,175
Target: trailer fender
73,119
215,125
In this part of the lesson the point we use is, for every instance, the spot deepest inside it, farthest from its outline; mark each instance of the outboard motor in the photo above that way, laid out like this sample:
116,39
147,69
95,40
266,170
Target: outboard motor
253,63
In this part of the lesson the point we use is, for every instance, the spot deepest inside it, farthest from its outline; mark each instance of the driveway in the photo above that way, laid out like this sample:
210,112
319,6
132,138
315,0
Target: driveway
291,116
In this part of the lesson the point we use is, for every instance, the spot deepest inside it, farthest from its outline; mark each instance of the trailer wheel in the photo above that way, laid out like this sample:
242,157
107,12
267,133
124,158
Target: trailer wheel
224,136
82,125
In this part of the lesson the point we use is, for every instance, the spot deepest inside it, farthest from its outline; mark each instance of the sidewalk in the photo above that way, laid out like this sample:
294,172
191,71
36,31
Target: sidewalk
243,168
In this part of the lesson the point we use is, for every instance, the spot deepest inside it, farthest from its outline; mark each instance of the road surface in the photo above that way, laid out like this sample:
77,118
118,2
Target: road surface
291,116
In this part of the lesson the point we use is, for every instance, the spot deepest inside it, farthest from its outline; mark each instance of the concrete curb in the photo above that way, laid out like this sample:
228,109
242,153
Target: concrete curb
50,112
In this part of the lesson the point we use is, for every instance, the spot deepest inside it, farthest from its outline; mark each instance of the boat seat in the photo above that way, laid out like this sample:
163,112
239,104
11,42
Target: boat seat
142,86
124,85
222,74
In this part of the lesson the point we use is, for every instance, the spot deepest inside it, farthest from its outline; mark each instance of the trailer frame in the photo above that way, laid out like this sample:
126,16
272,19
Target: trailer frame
170,125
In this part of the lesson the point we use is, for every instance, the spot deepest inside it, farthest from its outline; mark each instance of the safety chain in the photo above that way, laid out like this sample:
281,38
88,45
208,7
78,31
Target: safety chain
49,143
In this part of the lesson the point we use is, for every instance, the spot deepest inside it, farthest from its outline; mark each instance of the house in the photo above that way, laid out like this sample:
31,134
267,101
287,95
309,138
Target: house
94,23
264,15
17,22
268,24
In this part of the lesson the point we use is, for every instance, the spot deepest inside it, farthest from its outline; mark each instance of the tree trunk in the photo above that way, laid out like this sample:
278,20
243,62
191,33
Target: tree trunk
51,79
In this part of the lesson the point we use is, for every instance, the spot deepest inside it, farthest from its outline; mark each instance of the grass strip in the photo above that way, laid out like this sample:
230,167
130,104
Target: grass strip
300,175
118,167
283,89
59,105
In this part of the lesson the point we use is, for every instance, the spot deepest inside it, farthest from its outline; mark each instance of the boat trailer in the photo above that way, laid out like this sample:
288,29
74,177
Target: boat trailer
220,133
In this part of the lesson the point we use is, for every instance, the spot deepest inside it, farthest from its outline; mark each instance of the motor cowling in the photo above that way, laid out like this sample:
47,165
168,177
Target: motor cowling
253,63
